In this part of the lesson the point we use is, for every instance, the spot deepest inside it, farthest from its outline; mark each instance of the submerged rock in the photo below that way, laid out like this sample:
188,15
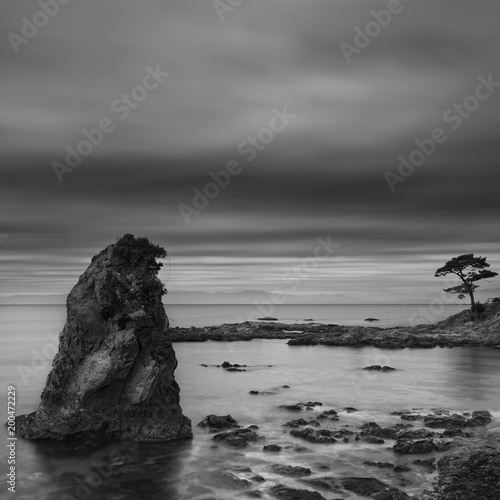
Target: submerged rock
322,436
272,447
239,438
301,422
410,447
365,486
291,470
113,376
428,463
380,368
380,465
401,468
326,483
286,493
232,481
392,494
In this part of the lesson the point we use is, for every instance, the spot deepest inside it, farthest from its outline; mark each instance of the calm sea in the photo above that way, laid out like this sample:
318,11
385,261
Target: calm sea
460,379
388,315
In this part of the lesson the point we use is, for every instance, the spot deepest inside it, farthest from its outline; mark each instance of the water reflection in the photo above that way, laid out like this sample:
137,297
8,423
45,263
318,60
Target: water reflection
117,470
470,370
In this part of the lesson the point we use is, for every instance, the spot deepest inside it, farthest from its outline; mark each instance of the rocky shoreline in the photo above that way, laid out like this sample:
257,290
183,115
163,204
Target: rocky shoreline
465,329
453,452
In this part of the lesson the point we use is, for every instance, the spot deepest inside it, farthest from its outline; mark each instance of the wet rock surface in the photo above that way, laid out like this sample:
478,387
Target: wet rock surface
291,470
322,436
286,493
113,376
380,368
366,486
412,447
381,480
472,471
219,422
239,438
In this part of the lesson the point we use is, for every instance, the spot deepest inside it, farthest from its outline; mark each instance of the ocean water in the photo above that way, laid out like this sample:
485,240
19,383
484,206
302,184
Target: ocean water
461,379
355,314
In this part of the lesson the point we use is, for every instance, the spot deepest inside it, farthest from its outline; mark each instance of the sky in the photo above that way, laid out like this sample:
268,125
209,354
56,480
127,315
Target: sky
307,115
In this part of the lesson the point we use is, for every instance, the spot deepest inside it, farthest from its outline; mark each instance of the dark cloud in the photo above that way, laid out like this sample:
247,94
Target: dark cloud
322,175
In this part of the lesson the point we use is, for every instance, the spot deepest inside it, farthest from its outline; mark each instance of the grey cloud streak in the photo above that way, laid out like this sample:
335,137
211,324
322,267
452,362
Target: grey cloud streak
323,175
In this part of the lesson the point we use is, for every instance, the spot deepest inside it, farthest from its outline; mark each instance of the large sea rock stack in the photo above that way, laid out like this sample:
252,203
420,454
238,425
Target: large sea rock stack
113,377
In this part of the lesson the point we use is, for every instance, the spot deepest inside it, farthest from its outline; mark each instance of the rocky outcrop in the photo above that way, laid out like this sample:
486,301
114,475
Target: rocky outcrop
461,330
472,471
113,376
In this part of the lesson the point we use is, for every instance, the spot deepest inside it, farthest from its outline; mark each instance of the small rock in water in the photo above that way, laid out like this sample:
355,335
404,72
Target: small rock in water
287,493
401,468
219,422
292,407
240,468
381,465
326,483
371,319
411,416
409,447
231,480
429,463
323,436
380,368
373,440
257,478
254,494
350,409
392,494
302,406
272,447
290,470
239,438
366,486
301,422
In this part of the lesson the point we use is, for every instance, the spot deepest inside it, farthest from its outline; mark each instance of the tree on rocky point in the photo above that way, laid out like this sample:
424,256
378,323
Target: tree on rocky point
469,269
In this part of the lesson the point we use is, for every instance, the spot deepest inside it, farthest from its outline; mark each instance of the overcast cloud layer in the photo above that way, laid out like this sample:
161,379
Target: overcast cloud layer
322,175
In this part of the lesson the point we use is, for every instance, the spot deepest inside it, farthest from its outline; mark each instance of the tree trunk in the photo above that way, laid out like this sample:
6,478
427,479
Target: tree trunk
472,301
